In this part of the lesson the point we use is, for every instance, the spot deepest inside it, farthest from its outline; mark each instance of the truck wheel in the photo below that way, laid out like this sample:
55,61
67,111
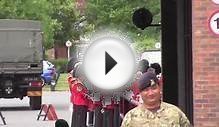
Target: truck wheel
35,103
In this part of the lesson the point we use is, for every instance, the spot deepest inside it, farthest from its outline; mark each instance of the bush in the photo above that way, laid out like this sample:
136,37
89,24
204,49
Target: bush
60,64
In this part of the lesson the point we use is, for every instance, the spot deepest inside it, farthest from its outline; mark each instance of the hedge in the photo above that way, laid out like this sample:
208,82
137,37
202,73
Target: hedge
60,64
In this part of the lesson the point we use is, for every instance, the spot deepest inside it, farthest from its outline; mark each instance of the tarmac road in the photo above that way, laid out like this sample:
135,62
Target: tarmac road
18,114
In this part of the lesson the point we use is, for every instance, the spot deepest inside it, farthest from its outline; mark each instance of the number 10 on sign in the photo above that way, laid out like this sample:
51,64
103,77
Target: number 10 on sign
214,23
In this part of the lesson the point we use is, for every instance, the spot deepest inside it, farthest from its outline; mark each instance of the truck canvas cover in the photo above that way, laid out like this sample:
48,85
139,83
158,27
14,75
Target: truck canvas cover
20,41
21,48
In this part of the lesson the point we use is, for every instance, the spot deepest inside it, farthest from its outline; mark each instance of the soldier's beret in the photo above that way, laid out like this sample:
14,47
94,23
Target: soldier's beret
146,80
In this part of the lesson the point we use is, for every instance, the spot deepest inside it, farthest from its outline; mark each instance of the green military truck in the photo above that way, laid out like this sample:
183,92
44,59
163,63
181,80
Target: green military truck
21,57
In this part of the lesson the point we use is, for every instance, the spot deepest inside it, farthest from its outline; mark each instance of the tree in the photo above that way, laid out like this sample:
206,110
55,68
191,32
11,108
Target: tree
31,10
56,16
101,14
65,15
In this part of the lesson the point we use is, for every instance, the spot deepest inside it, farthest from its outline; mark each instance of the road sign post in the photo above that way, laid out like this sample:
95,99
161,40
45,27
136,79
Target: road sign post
68,45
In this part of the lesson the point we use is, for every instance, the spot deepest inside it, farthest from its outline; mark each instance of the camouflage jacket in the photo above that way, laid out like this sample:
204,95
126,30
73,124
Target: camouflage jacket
167,116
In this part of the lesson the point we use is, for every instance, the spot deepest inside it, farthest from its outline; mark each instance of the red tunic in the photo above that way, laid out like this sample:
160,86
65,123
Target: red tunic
78,91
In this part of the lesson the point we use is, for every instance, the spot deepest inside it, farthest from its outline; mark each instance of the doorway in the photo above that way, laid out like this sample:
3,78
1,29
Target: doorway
177,54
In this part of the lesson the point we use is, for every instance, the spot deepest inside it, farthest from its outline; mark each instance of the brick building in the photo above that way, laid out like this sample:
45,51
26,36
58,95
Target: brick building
205,64
190,52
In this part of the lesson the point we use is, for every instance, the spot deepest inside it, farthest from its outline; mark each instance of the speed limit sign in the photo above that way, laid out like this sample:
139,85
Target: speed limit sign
213,23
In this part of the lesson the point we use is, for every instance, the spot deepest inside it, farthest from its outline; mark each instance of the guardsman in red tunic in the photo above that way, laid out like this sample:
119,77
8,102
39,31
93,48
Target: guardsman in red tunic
79,98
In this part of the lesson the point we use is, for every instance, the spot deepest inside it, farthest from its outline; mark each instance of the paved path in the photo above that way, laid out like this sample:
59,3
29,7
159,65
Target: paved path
17,113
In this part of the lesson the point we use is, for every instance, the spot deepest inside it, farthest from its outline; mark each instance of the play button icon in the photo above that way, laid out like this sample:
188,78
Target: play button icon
109,62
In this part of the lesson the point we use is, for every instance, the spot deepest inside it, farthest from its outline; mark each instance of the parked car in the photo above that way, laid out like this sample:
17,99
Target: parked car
49,75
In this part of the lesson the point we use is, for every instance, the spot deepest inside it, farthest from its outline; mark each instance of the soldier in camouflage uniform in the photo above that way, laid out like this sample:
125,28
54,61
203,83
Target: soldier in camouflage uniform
153,112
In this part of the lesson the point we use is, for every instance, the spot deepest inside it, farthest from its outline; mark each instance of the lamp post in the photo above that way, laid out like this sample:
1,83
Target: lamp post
68,45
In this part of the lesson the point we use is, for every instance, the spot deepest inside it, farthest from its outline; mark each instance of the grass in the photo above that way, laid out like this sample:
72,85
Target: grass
62,84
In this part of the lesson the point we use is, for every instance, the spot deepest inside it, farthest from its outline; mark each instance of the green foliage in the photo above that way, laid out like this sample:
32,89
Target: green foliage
59,16
144,44
102,14
62,84
30,10
56,16
65,15
60,64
